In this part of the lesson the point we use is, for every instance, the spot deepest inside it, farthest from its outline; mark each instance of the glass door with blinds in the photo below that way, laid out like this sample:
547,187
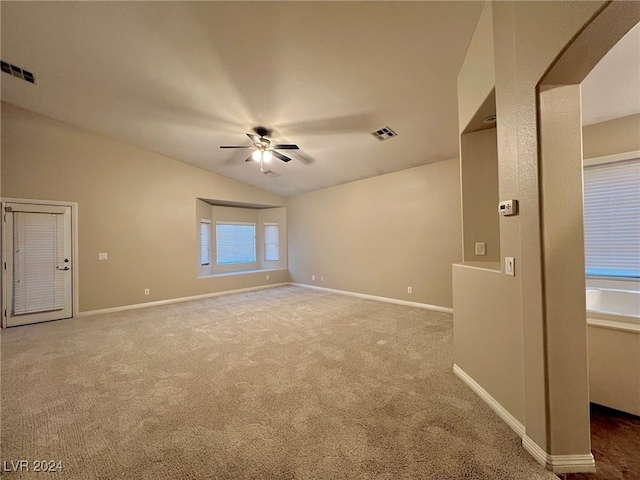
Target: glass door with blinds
38,263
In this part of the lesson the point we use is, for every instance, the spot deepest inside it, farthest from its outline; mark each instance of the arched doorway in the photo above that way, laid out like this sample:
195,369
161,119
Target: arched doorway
561,212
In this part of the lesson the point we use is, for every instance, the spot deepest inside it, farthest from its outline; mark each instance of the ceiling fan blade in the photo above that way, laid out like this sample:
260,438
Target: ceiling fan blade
280,156
305,159
286,146
254,138
232,146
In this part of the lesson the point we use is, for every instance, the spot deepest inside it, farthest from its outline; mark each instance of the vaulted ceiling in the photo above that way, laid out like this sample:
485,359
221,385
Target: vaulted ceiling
183,78
612,88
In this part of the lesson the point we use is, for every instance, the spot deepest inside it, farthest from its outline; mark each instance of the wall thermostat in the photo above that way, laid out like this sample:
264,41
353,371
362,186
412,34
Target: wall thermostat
508,207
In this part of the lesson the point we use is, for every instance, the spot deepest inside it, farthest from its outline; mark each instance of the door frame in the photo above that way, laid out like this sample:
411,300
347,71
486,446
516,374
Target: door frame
74,251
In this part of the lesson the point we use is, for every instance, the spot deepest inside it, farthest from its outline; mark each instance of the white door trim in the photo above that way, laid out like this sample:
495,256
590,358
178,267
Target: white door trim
74,250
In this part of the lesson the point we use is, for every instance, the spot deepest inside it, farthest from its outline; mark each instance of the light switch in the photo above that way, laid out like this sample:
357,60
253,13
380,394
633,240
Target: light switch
510,266
102,256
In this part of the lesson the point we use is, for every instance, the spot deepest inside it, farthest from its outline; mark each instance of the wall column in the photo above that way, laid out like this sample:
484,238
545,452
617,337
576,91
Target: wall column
563,276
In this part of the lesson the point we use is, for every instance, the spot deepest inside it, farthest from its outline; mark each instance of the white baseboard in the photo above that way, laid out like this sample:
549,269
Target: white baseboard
261,287
556,463
426,306
176,300
560,463
502,412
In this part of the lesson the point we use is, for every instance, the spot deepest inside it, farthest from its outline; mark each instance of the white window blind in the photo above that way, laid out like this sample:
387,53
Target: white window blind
271,242
612,219
38,241
235,243
205,242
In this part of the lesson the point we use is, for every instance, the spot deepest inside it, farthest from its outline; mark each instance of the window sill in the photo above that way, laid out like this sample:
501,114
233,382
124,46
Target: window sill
241,272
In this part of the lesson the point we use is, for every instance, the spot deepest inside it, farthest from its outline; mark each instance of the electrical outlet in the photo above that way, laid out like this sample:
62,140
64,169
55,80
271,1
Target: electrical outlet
267,277
146,291
322,279
481,248
313,277
409,290
102,256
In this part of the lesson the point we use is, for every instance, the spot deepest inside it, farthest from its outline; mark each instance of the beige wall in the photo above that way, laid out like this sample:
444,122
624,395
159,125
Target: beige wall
614,368
379,236
477,75
487,304
528,37
563,269
138,206
487,338
479,177
620,135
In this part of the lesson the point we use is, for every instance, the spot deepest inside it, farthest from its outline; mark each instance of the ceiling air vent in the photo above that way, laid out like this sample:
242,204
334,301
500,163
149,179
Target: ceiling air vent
17,72
384,133
271,173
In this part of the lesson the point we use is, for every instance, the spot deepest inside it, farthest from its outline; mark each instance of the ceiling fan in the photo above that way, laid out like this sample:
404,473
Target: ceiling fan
264,150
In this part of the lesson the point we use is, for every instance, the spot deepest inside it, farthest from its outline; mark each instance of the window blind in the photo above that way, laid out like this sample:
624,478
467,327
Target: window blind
235,243
271,247
205,242
612,219
38,241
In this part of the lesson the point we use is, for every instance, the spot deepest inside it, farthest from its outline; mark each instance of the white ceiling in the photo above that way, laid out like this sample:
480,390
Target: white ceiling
183,78
612,88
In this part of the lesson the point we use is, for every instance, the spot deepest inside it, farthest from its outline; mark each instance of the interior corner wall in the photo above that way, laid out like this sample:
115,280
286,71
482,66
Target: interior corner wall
381,235
476,78
479,178
135,205
487,304
526,39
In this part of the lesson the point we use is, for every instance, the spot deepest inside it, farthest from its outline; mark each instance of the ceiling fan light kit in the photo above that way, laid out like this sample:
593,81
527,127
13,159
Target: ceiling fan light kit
264,149
262,155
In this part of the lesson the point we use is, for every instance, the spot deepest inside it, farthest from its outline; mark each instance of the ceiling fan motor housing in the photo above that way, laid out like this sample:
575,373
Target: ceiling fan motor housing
261,131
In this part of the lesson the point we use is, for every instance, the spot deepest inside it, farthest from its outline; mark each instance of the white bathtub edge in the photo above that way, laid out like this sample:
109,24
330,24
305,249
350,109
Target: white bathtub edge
613,325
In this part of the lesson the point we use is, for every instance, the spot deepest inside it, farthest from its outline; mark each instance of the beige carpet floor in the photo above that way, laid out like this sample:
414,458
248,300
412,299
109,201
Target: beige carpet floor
273,384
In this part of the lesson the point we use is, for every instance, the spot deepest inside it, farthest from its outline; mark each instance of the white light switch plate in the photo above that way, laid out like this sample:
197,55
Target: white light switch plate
102,256
481,248
510,266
